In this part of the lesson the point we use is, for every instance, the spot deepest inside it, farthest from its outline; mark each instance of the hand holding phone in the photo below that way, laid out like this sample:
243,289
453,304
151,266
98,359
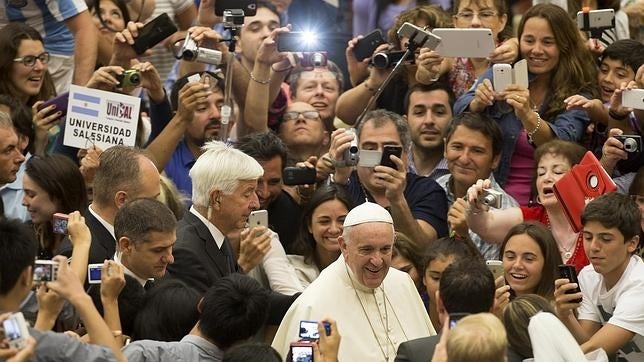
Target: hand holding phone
258,218
496,267
153,33
60,102
387,151
365,47
567,271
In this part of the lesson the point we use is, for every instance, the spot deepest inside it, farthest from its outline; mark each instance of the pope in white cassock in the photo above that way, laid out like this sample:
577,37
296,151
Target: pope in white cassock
376,307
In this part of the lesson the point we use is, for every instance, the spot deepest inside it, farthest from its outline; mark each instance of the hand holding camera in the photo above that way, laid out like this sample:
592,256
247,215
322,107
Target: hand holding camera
17,344
475,194
190,97
66,282
50,304
150,80
77,229
112,280
613,150
343,150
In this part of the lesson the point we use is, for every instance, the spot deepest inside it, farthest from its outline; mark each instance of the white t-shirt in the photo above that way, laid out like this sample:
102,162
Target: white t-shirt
621,306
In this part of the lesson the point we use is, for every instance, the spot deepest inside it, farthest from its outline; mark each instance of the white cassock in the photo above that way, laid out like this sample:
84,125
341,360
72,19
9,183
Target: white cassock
372,326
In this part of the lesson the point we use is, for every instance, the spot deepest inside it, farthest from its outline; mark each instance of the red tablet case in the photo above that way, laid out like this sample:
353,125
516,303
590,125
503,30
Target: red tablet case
580,185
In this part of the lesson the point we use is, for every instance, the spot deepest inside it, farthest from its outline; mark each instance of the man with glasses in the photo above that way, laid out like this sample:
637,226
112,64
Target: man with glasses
303,131
69,37
10,154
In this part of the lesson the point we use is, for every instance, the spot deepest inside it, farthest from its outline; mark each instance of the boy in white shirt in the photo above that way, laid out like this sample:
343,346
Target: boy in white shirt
611,313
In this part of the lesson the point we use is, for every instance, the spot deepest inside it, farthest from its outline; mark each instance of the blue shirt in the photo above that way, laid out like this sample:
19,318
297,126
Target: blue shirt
178,168
190,348
568,125
13,193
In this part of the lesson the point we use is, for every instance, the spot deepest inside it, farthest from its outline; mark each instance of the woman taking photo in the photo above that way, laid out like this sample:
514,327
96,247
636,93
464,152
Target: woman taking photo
553,159
559,66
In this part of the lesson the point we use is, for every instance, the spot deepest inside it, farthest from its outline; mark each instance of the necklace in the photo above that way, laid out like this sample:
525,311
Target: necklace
384,322
571,242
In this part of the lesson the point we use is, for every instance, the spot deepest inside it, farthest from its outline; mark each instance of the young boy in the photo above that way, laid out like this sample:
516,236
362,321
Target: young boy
611,313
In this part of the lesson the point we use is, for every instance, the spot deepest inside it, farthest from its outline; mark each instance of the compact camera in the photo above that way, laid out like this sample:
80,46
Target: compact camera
129,78
16,331
632,143
45,271
94,273
491,198
309,330
59,223
387,59
191,52
351,155
314,59
299,176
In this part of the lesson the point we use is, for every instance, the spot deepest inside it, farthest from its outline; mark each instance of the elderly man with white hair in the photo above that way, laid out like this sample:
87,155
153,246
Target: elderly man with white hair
376,307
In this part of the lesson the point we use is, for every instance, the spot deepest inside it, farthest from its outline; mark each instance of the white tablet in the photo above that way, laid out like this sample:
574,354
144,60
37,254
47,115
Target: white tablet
465,43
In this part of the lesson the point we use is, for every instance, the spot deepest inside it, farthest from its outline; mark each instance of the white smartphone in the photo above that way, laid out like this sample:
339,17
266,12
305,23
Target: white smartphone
597,19
407,30
258,218
466,43
521,73
16,331
633,98
496,267
501,76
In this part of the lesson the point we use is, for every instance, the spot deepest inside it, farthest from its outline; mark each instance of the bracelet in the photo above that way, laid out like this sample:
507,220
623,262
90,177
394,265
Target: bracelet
259,81
616,116
281,70
536,128
372,90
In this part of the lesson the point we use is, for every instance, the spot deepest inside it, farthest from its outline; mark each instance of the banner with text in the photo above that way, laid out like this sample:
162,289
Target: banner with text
104,119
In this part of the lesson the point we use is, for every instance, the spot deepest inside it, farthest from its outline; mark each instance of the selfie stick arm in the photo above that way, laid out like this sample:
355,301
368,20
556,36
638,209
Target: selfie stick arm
233,21
411,49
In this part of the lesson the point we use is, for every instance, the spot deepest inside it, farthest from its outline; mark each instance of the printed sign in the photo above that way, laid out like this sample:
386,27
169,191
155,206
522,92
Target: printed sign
104,119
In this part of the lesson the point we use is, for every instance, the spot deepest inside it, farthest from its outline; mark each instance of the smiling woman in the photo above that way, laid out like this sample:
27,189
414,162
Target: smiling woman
23,66
110,17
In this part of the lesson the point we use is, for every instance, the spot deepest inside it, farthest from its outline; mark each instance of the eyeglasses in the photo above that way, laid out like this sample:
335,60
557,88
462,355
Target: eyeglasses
289,116
484,16
30,60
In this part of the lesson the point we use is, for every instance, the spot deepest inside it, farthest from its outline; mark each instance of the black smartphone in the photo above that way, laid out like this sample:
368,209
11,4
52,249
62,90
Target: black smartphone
365,47
455,317
296,41
249,6
298,176
387,151
153,33
568,271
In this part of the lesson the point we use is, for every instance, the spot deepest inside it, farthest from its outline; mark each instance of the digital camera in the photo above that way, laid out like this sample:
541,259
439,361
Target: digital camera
314,59
129,78
192,52
632,143
16,331
45,271
491,198
387,59
59,223
351,155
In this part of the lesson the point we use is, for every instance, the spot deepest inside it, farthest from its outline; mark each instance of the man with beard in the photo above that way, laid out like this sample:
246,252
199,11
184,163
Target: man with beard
196,121
429,110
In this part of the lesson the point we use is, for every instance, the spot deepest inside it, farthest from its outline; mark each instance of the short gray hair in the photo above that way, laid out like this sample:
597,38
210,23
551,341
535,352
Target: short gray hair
380,117
221,167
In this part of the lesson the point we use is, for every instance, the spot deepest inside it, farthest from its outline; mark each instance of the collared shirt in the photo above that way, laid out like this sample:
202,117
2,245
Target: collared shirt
216,234
489,251
126,271
13,193
103,222
178,168
439,170
191,348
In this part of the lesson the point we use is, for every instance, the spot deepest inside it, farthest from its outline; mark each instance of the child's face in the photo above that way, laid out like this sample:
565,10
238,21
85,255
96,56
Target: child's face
607,250
612,73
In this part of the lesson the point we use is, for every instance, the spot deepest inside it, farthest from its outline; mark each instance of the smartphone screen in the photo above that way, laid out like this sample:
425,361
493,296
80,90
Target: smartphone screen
302,353
387,151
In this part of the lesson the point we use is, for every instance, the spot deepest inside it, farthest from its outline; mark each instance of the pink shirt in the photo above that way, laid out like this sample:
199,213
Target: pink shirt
521,170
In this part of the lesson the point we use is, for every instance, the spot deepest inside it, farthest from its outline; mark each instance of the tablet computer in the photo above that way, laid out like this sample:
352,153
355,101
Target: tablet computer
465,43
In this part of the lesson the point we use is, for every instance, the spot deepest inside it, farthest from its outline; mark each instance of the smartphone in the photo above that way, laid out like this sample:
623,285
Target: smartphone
153,33
455,317
94,273
466,43
633,98
597,19
301,352
59,101
496,267
387,151
419,35
59,223
520,73
501,76
298,176
16,331
309,330
568,271
296,41
365,47
249,6
258,218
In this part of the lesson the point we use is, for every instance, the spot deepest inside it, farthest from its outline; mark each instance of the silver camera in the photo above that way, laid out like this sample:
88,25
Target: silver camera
45,271
351,155
491,198
16,331
191,52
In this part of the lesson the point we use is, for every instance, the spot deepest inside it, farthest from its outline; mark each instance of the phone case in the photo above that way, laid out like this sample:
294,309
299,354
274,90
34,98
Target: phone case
59,101
633,98
365,47
520,73
467,43
580,185
386,152
496,267
258,218
153,33
568,271
501,76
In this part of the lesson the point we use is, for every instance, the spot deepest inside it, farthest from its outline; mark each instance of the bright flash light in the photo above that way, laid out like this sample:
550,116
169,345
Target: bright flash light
309,39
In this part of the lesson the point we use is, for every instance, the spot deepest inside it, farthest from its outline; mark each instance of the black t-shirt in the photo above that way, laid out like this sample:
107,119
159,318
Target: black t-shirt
284,219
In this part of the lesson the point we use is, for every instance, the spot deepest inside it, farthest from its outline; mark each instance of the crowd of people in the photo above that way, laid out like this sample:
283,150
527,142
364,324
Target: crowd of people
314,205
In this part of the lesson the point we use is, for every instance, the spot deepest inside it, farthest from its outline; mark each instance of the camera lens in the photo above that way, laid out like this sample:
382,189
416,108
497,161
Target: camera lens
630,145
380,60
489,200
135,79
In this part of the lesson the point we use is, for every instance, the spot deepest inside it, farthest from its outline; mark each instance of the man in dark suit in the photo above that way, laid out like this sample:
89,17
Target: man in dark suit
222,198
123,174
465,287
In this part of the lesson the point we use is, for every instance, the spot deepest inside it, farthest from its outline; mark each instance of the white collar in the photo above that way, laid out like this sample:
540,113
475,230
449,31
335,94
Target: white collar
216,233
117,259
104,222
